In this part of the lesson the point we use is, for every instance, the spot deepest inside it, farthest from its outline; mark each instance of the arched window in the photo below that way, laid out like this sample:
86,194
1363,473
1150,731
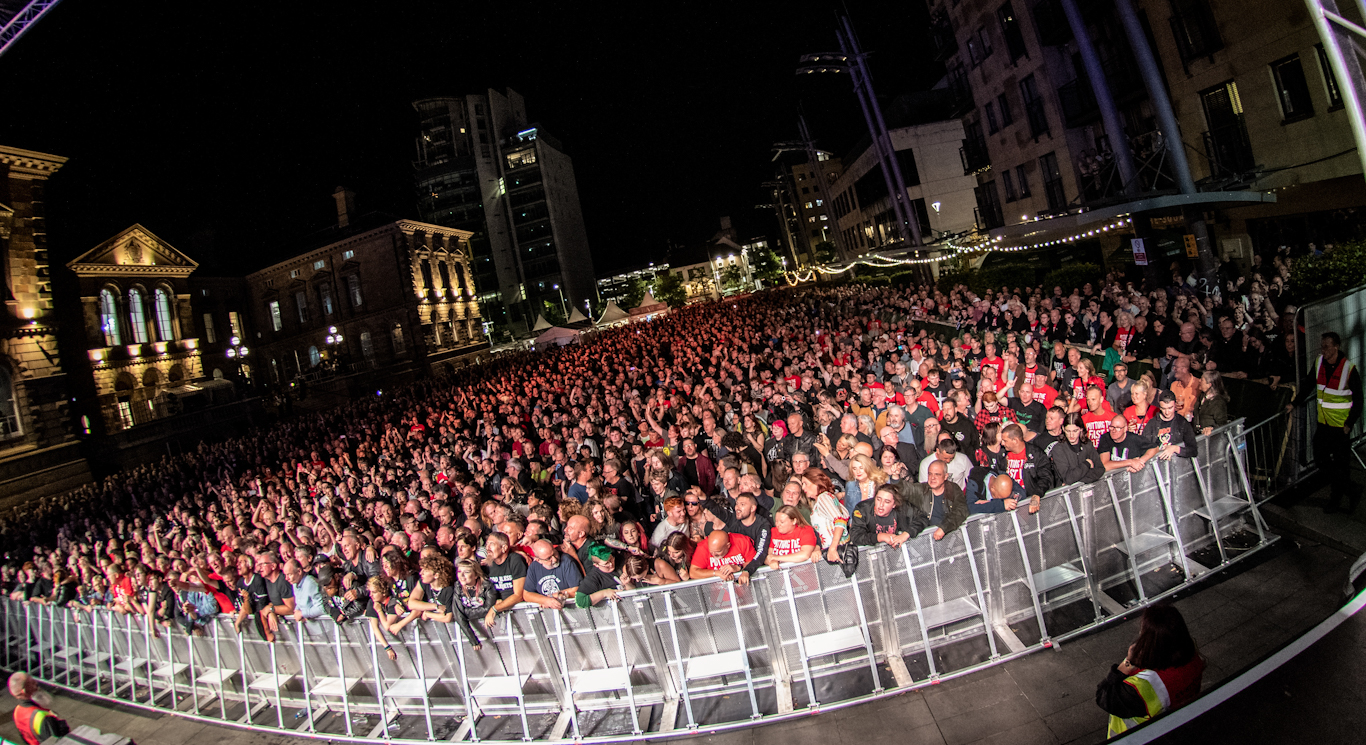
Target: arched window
165,329
109,319
367,345
313,357
9,415
137,316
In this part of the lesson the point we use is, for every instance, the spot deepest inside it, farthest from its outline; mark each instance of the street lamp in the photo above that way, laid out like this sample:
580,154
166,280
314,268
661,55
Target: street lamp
333,336
237,352
563,308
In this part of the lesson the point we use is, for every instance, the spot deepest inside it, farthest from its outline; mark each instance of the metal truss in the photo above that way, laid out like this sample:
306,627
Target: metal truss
23,21
1342,41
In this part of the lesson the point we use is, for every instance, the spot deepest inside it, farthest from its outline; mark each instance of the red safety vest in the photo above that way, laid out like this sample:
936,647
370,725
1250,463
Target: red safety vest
28,718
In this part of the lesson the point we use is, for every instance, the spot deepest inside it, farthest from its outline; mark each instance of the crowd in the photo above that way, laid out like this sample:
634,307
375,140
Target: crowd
720,440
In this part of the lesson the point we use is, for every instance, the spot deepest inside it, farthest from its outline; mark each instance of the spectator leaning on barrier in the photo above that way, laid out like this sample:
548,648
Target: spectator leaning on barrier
1172,433
886,518
1075,459
1028,465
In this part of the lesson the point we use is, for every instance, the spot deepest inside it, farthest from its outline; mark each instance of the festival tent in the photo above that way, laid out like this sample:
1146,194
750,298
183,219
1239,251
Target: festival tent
613,315
557,336
541,324
648,305
577,317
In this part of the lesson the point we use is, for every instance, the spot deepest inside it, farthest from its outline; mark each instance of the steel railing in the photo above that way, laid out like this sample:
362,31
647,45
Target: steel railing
696,655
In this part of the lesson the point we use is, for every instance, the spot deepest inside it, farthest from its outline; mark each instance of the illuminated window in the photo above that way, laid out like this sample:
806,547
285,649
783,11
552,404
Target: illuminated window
276,322
109,319
521,158
235,323
320,264
165,329
348,255
293,273
137,316
313,357
325,297
367,345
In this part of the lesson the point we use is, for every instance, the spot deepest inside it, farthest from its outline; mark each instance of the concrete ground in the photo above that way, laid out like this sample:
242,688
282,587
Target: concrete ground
1047,697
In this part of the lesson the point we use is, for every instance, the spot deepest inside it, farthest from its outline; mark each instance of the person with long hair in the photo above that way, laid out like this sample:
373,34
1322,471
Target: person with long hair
676,551
865,476
991,455
793,541
1211,408
1075,459
1162,672
474,598
829,518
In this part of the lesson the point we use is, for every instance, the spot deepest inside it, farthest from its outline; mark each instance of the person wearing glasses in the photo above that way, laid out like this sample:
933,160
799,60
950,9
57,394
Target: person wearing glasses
1120,448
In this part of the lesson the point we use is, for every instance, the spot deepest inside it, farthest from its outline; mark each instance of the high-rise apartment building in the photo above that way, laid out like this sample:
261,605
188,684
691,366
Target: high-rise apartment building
483,167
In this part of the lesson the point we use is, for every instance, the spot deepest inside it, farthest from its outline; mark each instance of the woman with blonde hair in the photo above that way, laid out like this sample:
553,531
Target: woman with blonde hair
865,476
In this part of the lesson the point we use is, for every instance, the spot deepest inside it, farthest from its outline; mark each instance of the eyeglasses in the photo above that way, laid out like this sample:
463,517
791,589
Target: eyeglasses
1116,426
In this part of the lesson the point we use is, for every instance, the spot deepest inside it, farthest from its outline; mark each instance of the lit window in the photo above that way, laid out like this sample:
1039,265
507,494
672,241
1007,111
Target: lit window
301,303
820,202
137,316
109,319
235,323
165,329
325,295
293,273
276,322
320,264
348,255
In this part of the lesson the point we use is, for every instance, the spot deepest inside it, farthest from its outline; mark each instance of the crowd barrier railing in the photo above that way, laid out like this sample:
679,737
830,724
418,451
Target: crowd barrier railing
700,655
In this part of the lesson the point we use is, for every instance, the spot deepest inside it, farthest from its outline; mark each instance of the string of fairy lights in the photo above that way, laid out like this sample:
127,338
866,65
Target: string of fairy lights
885,262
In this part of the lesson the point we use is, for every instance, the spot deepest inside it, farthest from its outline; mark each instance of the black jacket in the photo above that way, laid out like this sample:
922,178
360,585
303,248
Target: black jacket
862,532
1069,462
1038,476
955,502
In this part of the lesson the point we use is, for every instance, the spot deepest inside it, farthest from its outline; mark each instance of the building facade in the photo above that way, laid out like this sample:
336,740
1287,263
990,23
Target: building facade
34,412
941,195
809,220
375,292
140,333
481,166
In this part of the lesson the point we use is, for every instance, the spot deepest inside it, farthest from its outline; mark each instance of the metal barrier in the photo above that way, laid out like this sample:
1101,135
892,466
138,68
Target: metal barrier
701,655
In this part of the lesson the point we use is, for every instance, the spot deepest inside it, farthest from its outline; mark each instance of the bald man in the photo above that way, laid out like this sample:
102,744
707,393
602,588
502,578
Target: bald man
723,555
576,540
994,492
552,578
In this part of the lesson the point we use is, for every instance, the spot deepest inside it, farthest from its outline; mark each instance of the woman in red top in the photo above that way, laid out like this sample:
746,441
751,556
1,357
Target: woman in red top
793,540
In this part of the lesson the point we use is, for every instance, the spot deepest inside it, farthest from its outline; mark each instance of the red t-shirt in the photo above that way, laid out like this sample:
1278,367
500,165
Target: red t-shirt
995,362
1136,421
1047,394
1097,424
123,589
741,553
1015,466
787,544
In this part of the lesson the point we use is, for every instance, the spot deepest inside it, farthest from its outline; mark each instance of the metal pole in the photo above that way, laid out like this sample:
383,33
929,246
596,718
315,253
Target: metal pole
303,674
812,703
1029,576
1207,498
1092,585
422,679
744,649
899,197
471,713
1347,68
867,635
379,685
846,47
1109,113
517,677
626,665
341,673
1128,545
919,612
981,597
1169,507
1157,94
678,655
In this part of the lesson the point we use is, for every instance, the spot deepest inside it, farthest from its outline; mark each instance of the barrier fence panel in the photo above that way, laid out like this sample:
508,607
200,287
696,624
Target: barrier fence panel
704,653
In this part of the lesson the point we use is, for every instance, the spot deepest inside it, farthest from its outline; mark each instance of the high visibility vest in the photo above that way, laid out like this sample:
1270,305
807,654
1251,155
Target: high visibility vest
1154,692
28,719
1335,398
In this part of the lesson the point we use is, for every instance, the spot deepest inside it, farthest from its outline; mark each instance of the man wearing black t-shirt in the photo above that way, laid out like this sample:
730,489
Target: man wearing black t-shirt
1120,448
1029,413
744,518
507,571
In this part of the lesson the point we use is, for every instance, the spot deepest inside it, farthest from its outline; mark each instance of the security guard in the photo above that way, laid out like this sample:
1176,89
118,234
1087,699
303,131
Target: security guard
36,722
1337,388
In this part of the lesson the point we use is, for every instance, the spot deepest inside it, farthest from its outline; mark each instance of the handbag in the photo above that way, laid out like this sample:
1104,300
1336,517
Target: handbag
848,559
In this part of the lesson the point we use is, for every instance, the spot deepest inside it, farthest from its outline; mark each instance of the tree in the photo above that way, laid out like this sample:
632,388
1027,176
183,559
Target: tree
1338,270
765,266
635,292
669,289
732,278
826,252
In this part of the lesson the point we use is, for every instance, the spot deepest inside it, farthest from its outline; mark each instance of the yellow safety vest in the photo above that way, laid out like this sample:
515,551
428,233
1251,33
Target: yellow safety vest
1154,692
1334,403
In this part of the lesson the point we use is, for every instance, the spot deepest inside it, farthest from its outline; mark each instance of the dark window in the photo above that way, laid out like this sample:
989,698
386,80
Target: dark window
1052,182
1022,180
909,172
1330,81
1033,103
958,85
985,41
1292,89
923,217
974,150
1003,105
1008,181
301,303
989,206
1226,143
1194,28
974,51
1010,29
992,125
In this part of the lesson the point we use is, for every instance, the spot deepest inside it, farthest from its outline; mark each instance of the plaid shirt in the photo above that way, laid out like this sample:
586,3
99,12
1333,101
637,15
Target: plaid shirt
984,417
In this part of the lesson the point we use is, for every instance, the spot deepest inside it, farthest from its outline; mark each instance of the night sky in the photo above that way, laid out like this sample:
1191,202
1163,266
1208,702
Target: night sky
224,127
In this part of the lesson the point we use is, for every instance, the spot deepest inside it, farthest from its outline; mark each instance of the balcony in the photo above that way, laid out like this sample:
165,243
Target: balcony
1229,151
974,155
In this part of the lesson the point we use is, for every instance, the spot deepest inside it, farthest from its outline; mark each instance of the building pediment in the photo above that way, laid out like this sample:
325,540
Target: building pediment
136,251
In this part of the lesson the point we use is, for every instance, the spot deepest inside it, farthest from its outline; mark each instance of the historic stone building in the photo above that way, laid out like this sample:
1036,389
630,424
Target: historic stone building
139,326
38,450
372,292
